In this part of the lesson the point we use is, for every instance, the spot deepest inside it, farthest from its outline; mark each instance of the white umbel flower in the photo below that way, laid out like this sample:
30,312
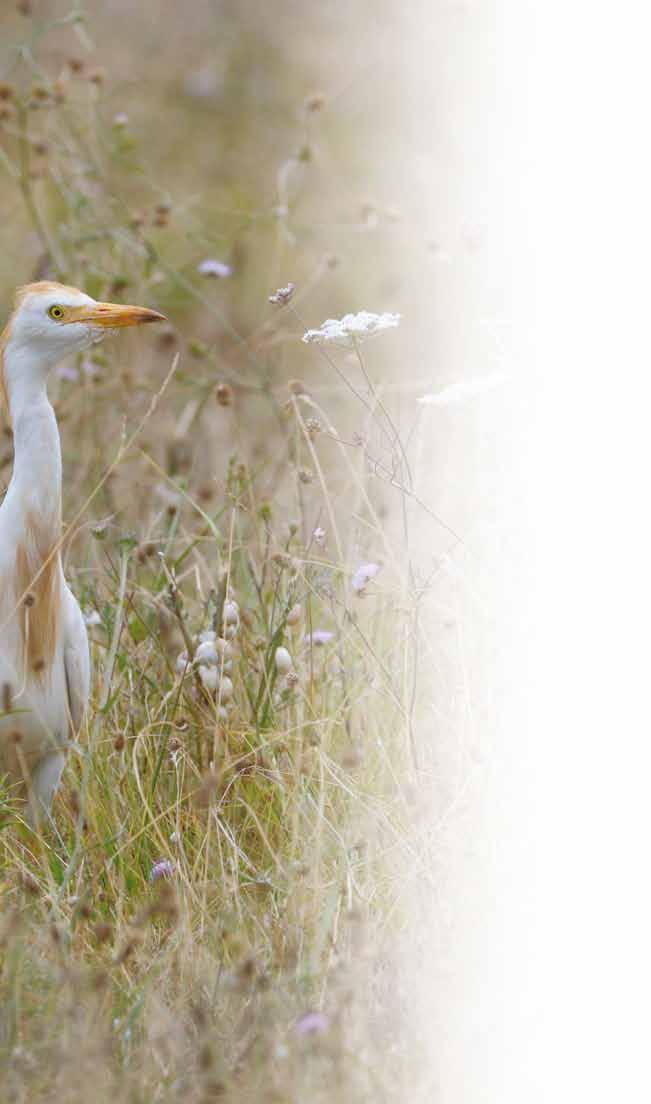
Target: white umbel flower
464,389
351,328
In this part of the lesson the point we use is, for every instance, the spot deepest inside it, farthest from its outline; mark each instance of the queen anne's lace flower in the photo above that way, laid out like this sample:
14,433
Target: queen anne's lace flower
351,328
464,389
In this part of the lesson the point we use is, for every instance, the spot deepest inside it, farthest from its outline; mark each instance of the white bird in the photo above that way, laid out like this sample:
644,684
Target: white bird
44,658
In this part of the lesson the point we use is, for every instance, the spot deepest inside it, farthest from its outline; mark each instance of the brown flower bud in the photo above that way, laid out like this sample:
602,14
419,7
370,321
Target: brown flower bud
224,394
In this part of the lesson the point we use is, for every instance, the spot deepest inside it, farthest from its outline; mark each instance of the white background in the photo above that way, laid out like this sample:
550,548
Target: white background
553,1002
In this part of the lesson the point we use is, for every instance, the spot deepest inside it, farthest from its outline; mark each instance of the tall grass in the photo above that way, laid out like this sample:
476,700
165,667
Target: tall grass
210,912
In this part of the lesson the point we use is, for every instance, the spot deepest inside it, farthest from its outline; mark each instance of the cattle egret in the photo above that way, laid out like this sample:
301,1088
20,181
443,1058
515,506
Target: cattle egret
44,658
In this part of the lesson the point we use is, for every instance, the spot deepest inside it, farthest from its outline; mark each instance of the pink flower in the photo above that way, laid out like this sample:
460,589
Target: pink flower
216,269
319,637
163,868
311,1023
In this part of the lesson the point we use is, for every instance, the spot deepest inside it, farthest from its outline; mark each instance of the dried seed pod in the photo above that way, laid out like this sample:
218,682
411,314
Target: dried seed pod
181,663
209,677
224,394
231,614
225,692
315,102
283,661
102,931
224,648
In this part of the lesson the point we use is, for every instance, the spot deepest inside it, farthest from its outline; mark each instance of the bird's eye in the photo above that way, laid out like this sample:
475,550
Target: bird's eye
56,313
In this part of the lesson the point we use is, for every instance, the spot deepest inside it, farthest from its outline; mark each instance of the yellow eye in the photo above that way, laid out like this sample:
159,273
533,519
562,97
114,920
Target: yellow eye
56,313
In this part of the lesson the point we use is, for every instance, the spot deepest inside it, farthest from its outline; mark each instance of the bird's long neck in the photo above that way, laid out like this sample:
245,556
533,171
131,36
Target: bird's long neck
36,479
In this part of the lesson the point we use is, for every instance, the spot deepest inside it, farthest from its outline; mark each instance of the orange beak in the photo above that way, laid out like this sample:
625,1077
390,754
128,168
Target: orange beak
114,315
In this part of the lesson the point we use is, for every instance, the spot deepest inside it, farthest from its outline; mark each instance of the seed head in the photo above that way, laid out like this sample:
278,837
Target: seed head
315,102
102,931
294,615
225,691
224,394
209,677
231,614
207,654
283,295
167,339
283,661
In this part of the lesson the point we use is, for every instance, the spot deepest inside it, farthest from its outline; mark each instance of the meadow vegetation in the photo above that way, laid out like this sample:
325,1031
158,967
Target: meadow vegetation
215,910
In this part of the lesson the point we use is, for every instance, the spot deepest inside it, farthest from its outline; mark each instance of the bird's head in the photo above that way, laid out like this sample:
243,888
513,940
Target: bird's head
51,321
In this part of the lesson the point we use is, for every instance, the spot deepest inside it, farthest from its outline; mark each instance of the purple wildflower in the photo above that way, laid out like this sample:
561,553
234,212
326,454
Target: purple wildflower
311,1023
319,637
163,868
216,269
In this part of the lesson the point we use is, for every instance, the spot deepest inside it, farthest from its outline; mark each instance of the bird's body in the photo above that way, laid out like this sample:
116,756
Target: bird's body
44,659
